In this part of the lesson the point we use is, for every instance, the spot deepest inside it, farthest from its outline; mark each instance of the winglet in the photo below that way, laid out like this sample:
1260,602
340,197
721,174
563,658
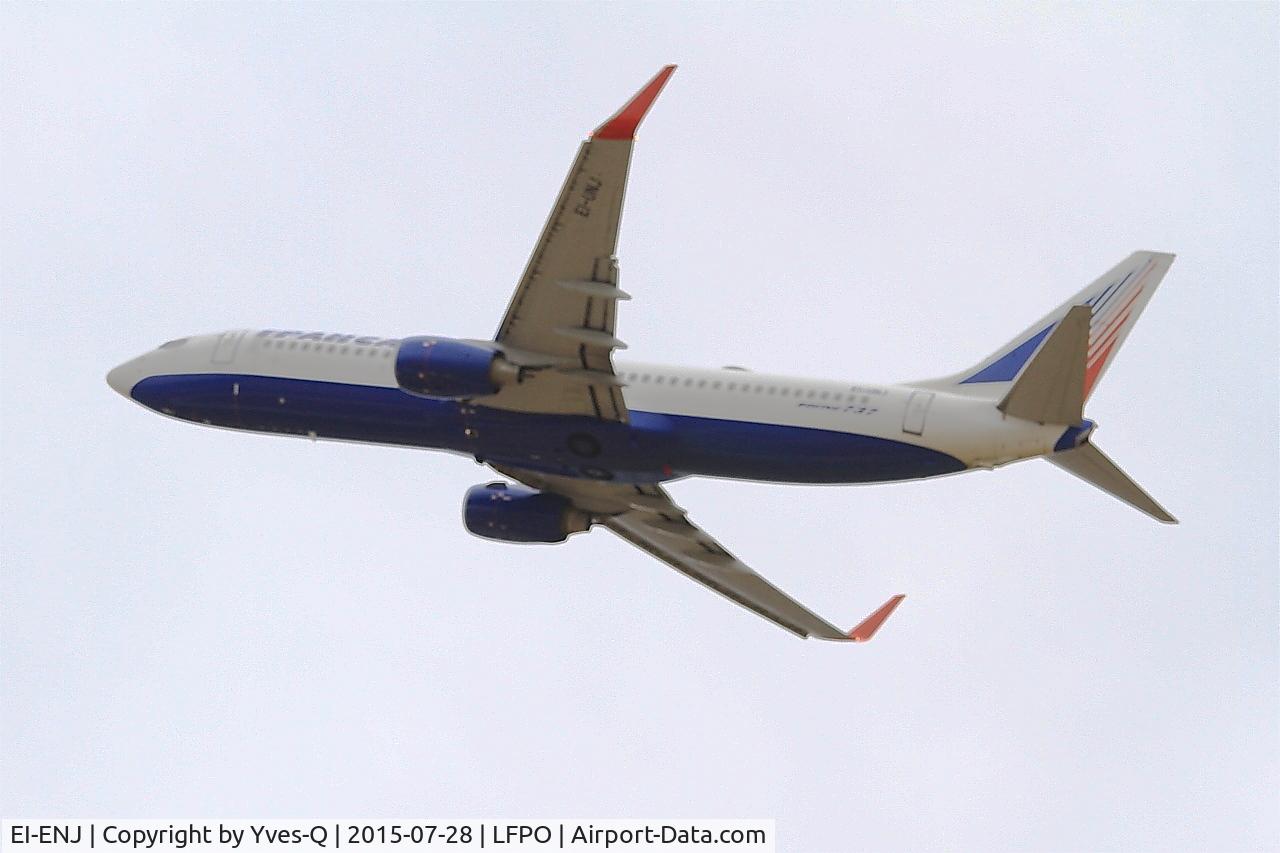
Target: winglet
625,121
866,629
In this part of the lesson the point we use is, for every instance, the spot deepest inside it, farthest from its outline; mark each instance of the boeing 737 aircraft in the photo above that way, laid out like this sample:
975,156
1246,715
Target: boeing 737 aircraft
590,441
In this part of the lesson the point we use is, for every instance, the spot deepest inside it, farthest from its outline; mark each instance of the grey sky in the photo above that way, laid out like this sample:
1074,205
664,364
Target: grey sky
201,623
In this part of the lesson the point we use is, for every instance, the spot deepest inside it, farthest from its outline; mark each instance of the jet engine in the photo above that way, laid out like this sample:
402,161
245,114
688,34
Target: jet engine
516,514
458,370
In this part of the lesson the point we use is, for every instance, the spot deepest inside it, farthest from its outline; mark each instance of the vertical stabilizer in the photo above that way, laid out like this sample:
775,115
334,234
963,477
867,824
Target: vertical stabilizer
1115,300
1050,389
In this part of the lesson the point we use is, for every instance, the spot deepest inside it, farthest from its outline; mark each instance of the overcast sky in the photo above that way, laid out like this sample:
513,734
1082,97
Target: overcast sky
204,623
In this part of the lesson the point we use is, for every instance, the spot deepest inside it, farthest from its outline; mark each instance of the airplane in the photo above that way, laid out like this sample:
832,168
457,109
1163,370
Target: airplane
591,442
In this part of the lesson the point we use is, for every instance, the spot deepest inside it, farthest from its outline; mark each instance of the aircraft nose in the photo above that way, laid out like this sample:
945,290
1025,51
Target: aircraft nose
123,377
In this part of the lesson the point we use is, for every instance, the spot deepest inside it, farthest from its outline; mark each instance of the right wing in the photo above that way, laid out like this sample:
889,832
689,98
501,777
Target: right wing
645,516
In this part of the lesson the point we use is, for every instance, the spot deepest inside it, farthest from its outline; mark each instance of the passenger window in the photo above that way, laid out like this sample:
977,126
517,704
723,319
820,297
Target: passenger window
715,385
688,383
702,383
824,395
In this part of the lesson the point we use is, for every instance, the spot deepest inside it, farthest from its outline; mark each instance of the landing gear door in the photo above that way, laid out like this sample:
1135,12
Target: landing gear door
225,351
917,408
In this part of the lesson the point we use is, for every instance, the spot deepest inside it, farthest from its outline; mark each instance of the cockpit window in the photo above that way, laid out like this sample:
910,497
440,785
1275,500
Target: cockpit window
174,344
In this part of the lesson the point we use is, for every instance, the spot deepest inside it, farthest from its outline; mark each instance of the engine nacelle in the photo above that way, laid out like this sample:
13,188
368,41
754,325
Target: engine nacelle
516,514
440,367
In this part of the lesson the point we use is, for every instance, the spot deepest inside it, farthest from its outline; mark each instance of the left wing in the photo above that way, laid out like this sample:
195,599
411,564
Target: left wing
645,516
562,314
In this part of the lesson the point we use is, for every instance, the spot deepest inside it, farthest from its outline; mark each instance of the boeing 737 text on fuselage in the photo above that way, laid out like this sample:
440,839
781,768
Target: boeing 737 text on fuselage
589,441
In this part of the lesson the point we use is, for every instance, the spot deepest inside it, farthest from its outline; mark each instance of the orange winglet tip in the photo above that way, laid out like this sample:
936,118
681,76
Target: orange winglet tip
866,629
625,121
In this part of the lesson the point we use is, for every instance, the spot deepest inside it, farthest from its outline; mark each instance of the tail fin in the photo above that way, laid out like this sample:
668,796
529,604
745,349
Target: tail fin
1048,372
1050,389
1093,466
1115,300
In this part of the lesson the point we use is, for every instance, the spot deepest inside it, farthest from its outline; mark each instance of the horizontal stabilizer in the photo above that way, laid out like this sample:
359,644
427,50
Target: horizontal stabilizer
1050,389
1092,465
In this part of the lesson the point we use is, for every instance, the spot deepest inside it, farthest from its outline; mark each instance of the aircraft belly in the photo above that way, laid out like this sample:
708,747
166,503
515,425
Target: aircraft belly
571,445
657,446
794,454
653,447
317,409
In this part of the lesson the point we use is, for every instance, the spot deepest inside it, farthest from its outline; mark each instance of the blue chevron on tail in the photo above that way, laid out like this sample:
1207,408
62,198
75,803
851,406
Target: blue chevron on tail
1115,300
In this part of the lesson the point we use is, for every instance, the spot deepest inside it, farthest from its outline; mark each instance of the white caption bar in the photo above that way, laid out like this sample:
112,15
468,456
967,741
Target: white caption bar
310,836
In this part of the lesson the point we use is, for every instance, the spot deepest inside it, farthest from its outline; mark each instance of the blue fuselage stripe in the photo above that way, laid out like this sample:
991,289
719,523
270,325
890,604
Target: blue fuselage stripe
652,447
